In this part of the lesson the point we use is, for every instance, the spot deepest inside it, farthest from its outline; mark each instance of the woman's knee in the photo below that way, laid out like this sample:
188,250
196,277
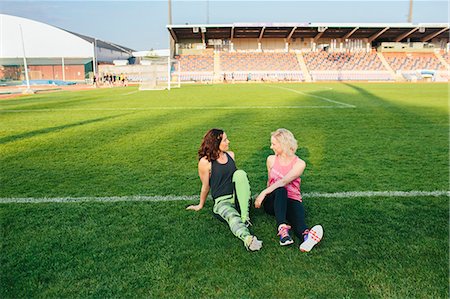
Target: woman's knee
239,176
280,191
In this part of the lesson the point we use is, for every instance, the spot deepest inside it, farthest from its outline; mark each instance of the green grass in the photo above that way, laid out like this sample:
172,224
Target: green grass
111,142
392,247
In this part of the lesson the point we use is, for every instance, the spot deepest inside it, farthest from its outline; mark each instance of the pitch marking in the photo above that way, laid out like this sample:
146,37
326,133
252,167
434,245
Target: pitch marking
128,93
173,108
350,194
314,96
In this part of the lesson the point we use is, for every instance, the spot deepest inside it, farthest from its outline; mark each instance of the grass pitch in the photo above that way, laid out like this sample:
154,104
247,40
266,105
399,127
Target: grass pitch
120,142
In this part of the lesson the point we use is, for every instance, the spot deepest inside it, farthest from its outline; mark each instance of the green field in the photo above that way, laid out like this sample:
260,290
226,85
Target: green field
123,143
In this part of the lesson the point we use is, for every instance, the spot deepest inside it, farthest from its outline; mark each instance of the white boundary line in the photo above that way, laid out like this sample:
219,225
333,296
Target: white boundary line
350,194
341,105
128,93
314,96
173,108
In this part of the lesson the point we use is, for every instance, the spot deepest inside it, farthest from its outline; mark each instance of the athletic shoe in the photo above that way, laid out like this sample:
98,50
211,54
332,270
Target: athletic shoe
253,244
283,232
305,235
312,238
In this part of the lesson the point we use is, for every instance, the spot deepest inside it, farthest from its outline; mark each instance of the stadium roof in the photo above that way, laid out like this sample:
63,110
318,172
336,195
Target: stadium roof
103,44
375,32
45,44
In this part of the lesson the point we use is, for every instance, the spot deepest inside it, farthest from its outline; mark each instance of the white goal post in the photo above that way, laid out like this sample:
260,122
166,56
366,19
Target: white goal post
160,73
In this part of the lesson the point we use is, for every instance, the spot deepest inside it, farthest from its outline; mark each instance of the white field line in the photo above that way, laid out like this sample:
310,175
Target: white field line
128,93
314,96
172,108
350,194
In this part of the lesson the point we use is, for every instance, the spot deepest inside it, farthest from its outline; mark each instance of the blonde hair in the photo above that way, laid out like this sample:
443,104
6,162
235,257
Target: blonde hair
286,139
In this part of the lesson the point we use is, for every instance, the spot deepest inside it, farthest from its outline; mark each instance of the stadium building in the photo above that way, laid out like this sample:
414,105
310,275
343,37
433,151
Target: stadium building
311,52
51,53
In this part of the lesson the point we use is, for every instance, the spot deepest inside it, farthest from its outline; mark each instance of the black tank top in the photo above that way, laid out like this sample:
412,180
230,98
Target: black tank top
221,177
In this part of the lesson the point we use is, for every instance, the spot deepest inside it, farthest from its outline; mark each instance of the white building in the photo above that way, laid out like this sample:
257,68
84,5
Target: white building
51,52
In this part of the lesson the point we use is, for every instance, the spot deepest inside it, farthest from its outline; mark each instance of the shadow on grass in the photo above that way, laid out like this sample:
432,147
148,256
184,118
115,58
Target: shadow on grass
139,155
396,108
155,154
385,138
35,133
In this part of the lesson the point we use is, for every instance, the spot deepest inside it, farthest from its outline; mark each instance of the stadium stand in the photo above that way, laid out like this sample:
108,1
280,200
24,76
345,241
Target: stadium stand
347,61
321,65
326,66
417,66
413,61
196,63
231,62
260,67
312,52
446,56
196,68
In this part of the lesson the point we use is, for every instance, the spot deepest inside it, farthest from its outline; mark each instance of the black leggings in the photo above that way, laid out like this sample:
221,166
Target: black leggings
286,210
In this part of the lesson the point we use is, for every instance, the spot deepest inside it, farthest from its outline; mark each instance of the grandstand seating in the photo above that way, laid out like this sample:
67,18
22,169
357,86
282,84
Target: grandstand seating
321,65
442,76
196,63
232,62
322,60
446,56
331,66
333,75
260,67
263,76
196,68
413,61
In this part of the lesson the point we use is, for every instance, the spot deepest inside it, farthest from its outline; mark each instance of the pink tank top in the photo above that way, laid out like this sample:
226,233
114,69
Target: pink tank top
278,171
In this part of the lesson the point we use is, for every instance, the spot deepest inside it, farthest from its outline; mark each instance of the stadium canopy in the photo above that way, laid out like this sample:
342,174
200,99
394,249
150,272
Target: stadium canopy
374,32
44,44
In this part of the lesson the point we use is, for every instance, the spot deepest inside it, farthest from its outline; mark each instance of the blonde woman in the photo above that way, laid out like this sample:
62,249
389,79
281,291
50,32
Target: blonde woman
282,197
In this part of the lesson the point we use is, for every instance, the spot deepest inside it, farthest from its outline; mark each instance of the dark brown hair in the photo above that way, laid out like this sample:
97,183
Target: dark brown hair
210,145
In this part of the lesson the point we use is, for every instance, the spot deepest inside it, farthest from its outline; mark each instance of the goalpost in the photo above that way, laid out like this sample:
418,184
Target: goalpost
160,73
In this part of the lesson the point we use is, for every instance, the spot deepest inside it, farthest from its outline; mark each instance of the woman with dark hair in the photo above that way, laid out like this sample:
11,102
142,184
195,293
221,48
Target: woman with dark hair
229,186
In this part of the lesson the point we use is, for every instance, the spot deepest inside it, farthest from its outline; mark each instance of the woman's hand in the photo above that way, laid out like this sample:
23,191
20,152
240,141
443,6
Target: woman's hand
259,200
195,207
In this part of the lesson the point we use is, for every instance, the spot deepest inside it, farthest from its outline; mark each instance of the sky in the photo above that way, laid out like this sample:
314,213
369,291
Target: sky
141,25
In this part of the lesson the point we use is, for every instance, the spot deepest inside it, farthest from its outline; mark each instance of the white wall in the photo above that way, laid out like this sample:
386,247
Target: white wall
40,40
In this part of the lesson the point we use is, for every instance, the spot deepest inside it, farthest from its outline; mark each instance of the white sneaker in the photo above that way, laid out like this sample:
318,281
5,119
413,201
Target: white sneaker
312,238
254,244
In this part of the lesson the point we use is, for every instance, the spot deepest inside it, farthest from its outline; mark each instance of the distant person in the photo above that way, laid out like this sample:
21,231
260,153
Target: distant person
229,186
94,81
122,79
282,196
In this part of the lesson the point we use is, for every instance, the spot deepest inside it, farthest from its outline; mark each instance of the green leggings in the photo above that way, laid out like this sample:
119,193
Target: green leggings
225,206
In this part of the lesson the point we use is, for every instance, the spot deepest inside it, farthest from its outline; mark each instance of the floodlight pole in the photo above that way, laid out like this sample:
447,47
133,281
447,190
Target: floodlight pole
94,58
25,60
410,11
63,69
207,11
170,45
170,12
